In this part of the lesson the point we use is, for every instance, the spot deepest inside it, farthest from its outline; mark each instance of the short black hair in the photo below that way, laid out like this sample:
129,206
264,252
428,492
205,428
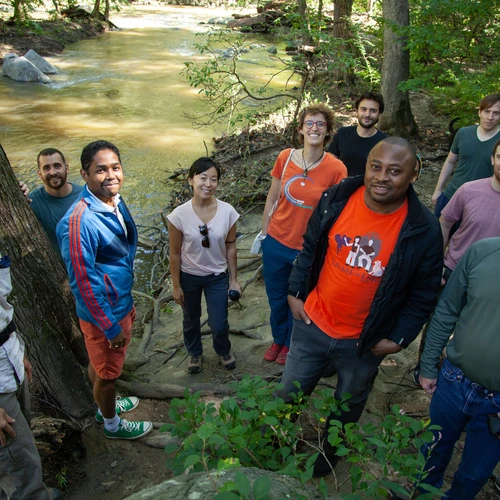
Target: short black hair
49,152
90,150
372,97
400,141
201,165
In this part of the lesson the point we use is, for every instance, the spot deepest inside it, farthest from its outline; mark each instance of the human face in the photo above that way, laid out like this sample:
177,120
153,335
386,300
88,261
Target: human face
104,176
204,184
314,136
489,117
389,171
495,161
53,171
368,113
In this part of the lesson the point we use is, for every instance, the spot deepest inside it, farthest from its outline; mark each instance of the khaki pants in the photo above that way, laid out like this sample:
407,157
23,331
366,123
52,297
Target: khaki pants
20,466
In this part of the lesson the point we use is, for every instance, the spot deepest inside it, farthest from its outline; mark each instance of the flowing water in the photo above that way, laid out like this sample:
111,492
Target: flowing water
125,87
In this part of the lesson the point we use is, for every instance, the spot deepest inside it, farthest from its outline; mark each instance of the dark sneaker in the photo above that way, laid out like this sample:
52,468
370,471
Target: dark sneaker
281,359
194,365
324,465
228,361
123,405
272,353
416,376
130,430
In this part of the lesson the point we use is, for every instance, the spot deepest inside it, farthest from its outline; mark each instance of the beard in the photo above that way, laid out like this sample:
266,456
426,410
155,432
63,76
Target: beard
366,124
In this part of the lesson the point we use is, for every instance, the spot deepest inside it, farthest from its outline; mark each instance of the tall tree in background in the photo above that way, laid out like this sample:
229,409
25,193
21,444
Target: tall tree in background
44,307
342,31
397,118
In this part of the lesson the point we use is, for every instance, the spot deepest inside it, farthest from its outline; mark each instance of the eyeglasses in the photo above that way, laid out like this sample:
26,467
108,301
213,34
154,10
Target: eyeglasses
205,242
309,124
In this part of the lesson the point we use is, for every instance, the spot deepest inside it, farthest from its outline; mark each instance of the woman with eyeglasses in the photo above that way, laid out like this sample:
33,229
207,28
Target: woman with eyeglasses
202,236
299,178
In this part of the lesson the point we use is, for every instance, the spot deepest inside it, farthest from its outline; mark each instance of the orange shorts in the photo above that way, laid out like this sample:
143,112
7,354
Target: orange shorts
107,362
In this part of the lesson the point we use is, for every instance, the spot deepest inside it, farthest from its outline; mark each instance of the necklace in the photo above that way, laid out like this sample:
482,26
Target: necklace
311,166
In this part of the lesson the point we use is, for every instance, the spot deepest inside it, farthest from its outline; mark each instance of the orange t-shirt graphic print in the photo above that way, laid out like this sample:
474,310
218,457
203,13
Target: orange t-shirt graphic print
360,244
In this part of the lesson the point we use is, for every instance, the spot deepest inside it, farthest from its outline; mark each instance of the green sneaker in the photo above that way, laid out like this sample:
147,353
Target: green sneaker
130,430
123,405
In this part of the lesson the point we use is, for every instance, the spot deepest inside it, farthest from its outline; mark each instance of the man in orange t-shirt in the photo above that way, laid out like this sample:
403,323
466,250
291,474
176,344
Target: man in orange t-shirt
365,282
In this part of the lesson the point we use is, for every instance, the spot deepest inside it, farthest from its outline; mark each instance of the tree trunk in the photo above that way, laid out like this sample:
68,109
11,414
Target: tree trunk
397,118
44,307
342,31
106,11
95,11
304,14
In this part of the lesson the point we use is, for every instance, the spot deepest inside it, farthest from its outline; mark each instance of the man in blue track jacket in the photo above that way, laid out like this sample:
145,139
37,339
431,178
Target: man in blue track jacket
98,241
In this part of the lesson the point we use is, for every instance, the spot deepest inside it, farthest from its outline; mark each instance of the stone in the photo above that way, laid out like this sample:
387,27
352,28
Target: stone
200,486
161,440
272,50
42,64
22,70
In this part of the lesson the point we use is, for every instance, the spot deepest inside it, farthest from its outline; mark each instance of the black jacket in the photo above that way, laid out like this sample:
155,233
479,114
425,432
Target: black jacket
409,287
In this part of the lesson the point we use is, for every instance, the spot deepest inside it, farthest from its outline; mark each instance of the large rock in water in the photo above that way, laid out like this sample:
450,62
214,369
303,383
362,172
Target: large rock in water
22,70
43,65
200,486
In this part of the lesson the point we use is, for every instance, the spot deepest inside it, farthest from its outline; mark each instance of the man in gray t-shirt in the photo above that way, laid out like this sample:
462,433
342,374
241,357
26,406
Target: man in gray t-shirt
469,158
51,201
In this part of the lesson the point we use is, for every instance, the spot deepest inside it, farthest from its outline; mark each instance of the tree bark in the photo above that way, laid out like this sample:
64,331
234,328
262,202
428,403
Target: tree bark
96,9
342,31
43,304
304,14
397,118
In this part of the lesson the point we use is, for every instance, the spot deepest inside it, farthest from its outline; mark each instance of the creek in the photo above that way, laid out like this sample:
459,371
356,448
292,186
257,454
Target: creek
124,86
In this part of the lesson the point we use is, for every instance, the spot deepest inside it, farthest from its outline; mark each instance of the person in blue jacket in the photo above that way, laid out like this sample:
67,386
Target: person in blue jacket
98,241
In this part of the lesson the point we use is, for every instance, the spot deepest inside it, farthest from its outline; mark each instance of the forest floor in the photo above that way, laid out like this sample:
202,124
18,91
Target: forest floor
112,470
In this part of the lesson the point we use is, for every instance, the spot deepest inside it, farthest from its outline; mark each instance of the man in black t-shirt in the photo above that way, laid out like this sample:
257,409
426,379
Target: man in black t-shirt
352,144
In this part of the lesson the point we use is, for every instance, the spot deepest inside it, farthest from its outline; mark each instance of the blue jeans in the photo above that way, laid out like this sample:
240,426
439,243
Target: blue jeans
312,350
441,202
457,405
277,260
215,288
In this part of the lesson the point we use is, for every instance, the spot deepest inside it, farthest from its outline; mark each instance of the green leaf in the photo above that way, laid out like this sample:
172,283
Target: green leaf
271,421
170,448
227,495
377,442
191,460
205,431
242,483
261,488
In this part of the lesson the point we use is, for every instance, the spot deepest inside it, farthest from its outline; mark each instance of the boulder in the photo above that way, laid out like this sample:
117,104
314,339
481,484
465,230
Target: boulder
22,70
272,50
42,64
200,485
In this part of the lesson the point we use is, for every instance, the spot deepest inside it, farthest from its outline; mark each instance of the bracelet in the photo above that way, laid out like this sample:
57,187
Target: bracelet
229,242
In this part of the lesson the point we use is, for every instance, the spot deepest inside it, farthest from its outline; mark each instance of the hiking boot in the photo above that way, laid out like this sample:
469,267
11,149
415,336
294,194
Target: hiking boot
324,465
123,405
194,365
228,361
130,430
272,353
281,359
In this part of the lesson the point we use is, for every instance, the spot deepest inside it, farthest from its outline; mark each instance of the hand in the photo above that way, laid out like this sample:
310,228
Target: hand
5,421
384,347
435,196
429,385
235,285
297,308
178,295
28,368
25,189
119,341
